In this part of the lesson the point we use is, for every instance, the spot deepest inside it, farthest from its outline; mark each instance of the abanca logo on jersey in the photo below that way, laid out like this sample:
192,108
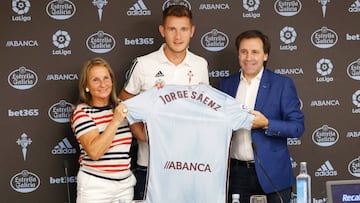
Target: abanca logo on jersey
187,166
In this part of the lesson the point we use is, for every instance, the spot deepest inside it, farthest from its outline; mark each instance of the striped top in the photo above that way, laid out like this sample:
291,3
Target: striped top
115,163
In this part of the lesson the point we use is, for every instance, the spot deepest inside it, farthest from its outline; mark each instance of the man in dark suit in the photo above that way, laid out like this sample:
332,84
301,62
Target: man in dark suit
260,160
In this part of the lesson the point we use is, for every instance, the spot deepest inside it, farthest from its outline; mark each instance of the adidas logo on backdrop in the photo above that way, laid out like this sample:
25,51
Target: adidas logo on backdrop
64,147
138,9
326,169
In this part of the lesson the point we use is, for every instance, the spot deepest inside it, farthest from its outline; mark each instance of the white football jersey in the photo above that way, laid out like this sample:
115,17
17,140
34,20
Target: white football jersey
189,130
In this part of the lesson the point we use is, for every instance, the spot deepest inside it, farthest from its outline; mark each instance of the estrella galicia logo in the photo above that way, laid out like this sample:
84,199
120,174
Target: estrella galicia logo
100,42
287,7
25,182
22,78
325,136
60,9
60,112
214,40
354,167
353,70
176,2
324,38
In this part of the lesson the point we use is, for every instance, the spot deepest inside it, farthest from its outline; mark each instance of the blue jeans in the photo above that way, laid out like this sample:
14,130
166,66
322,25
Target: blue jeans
243,180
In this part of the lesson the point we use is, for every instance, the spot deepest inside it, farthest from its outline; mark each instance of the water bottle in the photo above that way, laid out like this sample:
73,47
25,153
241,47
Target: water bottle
303,185
235,198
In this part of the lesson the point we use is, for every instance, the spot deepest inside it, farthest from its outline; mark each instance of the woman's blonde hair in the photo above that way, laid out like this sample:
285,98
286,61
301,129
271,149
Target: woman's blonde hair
85,97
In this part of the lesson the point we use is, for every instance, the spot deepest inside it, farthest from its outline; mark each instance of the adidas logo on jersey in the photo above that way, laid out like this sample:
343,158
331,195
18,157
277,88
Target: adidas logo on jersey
326,169
138,9
159,74
63,147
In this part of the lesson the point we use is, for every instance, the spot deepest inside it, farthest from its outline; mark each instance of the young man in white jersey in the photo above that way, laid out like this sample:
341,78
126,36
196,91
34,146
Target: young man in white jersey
173,63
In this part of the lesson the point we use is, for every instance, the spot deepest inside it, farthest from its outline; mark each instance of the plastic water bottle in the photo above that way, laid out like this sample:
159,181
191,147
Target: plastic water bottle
235,198
303,185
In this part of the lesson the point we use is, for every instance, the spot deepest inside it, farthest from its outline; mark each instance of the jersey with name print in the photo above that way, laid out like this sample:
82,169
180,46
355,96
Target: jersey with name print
189,131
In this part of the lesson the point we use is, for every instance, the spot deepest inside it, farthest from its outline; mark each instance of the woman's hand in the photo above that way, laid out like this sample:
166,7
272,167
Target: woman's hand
120,112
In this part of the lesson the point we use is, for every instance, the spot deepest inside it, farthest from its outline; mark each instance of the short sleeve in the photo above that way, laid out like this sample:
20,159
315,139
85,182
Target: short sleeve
81,122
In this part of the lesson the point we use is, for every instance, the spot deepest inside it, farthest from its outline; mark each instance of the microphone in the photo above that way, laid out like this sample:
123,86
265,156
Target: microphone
66,166
266,174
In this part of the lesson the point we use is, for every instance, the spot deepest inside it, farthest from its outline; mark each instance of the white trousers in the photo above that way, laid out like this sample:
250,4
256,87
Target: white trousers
91,189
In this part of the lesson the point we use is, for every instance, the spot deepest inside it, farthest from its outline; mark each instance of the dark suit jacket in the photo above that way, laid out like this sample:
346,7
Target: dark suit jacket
277,99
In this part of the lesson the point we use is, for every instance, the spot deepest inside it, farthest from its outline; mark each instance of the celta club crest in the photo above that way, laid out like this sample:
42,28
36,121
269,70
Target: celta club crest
24,142
100,4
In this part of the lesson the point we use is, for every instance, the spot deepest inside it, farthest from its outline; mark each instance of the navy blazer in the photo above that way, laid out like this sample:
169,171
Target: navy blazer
277,99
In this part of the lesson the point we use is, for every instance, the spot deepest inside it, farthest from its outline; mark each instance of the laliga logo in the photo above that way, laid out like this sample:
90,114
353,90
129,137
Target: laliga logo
354,167
22,78
287,7
61,39
325,136
324,38
324,67
25,182
60,9
353,70
356,98
251,5
60,112
214,40
176,2
100,42
21,6
288,35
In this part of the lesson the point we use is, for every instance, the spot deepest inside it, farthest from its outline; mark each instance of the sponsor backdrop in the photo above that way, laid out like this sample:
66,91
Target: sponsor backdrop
44,43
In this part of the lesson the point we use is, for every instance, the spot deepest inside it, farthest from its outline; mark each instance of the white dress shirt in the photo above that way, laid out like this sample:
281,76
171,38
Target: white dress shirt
241,147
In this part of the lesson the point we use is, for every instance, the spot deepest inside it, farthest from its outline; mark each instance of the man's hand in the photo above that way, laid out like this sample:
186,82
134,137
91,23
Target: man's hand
260,121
